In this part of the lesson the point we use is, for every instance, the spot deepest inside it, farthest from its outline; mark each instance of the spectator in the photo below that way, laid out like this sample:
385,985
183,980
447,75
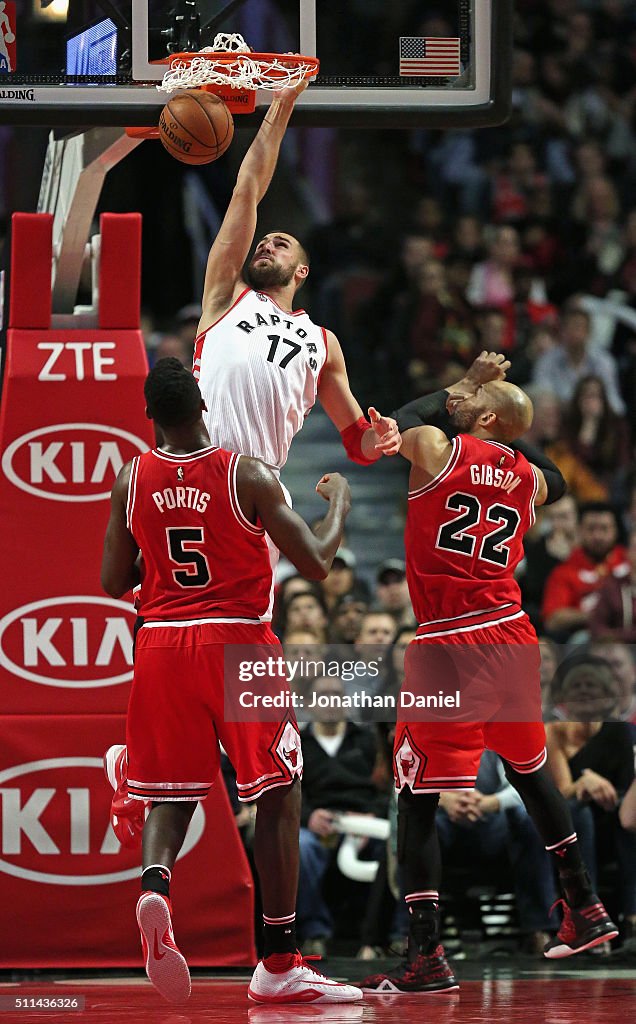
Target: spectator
305,611
342,579
435,323
547,670
346,619
302,648
614,614
621,660
467,240
514,188
575,357
571,588
291,585
492,820
173,345
186,325
559,531
396,658
339,758
592,762
546,424
371,647
392,592
592,435
492,282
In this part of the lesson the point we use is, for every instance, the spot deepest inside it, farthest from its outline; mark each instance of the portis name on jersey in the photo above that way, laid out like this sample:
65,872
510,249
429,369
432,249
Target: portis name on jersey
181,497
493,477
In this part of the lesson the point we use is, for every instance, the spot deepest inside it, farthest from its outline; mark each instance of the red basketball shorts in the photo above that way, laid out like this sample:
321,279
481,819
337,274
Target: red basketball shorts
176,717
496,672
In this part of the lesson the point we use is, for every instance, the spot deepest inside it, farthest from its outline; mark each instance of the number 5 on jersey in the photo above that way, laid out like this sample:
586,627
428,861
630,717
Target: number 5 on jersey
183,547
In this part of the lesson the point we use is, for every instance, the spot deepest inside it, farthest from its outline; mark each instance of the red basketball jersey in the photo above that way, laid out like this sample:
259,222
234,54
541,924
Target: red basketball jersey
201,557
464,533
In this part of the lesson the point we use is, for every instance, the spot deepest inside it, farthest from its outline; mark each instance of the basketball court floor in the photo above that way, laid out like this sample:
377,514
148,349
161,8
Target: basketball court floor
523,993
67,892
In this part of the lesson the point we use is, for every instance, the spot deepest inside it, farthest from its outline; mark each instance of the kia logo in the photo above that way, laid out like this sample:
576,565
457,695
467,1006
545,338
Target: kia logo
66,818
80,460
75,642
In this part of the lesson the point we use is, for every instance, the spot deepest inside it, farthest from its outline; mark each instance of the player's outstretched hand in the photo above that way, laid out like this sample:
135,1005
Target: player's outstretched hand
486,367
333,485
386,429
291,93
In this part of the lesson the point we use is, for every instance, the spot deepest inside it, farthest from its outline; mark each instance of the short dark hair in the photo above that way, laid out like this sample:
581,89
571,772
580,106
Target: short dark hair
304,253
596,507
172,394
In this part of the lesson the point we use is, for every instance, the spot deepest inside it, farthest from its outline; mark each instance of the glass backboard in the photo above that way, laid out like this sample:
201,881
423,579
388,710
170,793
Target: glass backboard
412,63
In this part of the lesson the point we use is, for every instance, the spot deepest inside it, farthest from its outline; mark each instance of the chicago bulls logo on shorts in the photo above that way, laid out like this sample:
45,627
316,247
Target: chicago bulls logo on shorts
289,749
409,763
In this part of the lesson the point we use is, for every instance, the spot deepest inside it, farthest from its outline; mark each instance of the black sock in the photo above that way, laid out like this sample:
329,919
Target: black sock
156,878
423,908
279,934
573,876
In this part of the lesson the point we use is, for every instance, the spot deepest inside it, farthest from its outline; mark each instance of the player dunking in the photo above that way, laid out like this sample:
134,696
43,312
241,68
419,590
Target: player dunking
260,364
470,502
198,515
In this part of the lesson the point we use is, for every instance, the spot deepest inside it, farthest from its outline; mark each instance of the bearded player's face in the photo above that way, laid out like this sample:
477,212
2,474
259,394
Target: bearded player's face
465,415
274,262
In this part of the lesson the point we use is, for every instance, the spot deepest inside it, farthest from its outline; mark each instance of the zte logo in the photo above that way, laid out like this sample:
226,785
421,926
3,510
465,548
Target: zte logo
70,461
55,827
76,642
77,360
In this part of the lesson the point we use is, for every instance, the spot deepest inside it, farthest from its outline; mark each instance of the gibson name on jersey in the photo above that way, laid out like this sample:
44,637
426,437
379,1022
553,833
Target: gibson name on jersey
492,476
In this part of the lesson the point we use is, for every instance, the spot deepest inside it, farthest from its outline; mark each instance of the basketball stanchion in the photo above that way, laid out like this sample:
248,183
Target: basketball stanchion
232,71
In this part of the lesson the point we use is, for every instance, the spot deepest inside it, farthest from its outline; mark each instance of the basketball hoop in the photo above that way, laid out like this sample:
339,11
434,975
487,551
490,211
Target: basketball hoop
229,63
234,72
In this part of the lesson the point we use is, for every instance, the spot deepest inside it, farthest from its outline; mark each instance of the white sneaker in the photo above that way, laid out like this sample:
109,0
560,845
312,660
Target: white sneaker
165,965
300,984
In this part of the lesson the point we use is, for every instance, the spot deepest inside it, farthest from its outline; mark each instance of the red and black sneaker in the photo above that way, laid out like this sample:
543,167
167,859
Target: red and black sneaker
430,973
582,928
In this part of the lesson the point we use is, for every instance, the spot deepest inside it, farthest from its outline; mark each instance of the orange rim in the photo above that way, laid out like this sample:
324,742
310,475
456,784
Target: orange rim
229,56
143,133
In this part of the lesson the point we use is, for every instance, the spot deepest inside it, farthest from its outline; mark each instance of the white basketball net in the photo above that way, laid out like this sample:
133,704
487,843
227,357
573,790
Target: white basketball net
243,72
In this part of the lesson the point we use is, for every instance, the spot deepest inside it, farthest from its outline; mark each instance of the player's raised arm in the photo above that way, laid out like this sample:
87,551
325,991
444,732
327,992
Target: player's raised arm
119,571
261,498
427,449
232,244
435,409
364,442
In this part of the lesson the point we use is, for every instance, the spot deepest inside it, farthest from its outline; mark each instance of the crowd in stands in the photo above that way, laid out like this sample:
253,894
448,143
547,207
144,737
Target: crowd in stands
520,239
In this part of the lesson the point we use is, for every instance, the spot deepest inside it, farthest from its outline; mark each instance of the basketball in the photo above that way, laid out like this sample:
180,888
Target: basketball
196,127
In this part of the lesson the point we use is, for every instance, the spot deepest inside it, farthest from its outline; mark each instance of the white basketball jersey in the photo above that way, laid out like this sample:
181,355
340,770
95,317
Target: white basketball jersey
258,369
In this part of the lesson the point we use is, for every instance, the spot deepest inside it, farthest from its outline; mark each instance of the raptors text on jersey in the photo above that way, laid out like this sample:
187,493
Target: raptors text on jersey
464,534
201,558
258,368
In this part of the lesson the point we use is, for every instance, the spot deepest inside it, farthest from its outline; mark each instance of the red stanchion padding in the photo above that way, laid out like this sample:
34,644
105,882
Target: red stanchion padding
120,271
31,253
72,414
69,890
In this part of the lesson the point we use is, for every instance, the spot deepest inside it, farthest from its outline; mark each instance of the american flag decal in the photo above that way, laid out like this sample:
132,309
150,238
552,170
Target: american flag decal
430,56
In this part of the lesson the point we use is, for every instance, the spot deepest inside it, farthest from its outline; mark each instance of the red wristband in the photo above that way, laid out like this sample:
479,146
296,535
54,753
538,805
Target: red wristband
352,441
